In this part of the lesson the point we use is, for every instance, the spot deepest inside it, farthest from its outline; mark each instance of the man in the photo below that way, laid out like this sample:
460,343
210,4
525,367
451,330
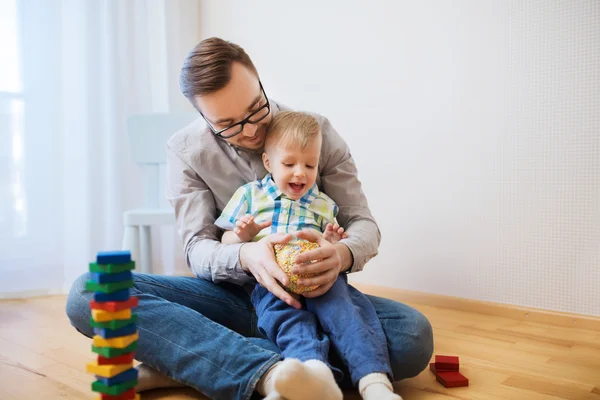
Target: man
201,331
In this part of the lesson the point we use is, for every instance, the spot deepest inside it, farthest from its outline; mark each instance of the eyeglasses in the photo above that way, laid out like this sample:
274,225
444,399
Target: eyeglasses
238,127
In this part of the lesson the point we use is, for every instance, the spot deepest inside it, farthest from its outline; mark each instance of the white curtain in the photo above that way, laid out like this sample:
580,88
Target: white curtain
72,72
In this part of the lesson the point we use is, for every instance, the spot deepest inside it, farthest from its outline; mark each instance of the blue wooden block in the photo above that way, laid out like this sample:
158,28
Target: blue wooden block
119,295
128,375
113,257
112,333
100,277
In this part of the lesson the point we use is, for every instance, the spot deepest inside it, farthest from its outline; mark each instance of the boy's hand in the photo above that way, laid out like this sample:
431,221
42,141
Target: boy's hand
334,233
246,227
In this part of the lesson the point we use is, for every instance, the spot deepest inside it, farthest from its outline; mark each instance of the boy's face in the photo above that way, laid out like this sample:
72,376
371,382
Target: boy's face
294,170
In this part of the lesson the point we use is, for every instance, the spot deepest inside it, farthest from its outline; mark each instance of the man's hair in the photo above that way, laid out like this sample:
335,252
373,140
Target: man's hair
292,128
207,68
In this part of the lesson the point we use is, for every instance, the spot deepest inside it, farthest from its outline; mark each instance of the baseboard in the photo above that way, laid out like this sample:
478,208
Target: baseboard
484,307
30,293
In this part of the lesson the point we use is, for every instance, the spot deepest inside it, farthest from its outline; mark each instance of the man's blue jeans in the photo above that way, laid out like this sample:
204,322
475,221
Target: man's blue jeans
342,320
205,335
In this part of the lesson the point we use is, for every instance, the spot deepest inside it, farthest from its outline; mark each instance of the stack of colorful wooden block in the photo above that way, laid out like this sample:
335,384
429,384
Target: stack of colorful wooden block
115,332
446,372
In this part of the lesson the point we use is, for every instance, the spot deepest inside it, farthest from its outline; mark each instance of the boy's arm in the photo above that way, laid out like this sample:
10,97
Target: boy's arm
246,228
339,180
230,237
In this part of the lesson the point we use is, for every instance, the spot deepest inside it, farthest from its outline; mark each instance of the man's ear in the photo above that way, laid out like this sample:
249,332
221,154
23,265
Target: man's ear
266,162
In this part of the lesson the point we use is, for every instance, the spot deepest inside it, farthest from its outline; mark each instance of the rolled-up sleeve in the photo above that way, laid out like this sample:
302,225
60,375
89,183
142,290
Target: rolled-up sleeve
195,214
339,180
236,208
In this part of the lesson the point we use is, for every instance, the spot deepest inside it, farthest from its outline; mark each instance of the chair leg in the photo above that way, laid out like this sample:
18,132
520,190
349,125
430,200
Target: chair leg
145,249
131,242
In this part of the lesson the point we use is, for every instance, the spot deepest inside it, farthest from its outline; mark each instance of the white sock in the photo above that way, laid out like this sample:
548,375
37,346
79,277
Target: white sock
273,396
377,386
266,384
311,380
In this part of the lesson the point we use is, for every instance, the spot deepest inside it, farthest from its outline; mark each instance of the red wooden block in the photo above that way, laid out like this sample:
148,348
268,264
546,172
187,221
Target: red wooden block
122,359
446,363
114,306
452,379
128,395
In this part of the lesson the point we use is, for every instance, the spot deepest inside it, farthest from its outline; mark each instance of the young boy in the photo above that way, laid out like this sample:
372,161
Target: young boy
288,200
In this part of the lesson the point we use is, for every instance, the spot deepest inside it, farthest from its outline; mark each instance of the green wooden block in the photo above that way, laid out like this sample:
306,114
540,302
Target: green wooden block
110,352
112,268
113,390
114,324
108,287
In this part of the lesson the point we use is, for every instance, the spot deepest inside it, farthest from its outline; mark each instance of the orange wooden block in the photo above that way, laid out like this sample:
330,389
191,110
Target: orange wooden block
114,306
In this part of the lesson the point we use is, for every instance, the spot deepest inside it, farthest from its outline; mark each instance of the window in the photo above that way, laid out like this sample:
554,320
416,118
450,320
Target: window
13,206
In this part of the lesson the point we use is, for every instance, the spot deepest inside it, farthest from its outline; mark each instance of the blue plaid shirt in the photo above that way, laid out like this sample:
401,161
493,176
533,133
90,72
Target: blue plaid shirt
264,200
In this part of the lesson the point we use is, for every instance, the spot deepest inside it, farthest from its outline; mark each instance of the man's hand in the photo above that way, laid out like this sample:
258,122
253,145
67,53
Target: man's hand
328,264
258,258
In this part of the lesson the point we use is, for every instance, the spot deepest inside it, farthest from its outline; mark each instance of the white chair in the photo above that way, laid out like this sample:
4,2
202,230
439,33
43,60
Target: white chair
148,134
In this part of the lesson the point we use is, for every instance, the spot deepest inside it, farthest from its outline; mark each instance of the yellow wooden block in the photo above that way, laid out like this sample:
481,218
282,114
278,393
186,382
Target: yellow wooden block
105,316
118,342
107,371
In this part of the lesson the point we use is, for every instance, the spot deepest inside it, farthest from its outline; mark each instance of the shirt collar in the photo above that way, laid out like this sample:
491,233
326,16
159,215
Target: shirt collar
309,196
273,191
269,185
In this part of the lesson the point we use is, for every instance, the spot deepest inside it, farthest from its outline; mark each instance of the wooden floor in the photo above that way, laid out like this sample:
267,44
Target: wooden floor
43,357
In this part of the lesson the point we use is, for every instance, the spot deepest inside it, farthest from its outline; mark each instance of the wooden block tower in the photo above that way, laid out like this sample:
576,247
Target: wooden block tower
115,331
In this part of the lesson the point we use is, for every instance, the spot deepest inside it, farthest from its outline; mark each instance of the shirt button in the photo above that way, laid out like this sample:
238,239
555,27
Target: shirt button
284,211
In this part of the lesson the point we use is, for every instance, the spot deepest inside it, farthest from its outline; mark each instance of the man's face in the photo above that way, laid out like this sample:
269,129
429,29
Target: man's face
293,169
236,101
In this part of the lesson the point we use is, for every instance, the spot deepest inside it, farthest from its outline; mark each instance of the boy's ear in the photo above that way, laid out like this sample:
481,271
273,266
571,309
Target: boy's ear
266,162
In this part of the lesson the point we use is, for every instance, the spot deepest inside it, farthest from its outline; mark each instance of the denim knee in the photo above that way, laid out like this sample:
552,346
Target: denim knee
424,342
78,306
412,349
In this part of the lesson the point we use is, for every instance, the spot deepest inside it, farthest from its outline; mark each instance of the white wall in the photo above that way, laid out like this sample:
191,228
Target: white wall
475,126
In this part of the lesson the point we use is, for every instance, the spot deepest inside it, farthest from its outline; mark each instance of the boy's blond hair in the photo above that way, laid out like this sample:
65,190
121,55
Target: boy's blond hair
292,127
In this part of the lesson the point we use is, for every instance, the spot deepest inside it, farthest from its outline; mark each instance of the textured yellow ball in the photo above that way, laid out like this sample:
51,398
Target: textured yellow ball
285,255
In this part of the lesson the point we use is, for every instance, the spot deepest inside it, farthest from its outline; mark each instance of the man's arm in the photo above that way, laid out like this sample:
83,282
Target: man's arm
195,213
339,180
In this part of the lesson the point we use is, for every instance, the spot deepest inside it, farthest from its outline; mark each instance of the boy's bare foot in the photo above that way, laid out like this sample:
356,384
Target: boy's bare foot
149,378
334,233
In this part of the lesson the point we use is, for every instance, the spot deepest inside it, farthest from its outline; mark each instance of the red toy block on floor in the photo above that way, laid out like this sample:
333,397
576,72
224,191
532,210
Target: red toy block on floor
452,379
445,369
446,363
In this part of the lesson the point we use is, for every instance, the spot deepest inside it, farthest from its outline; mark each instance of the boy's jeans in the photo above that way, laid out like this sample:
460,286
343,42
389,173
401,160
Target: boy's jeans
205,335
343,320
